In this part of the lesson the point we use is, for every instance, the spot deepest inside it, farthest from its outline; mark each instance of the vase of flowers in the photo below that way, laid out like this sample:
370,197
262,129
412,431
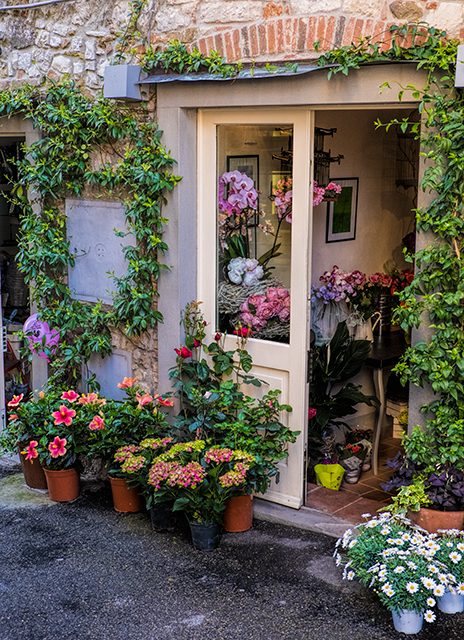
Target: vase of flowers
351,459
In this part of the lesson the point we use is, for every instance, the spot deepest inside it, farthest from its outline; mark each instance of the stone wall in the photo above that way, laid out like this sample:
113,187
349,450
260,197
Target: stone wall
77,38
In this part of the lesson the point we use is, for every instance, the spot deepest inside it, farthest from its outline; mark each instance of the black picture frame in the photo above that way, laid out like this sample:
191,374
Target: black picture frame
342,213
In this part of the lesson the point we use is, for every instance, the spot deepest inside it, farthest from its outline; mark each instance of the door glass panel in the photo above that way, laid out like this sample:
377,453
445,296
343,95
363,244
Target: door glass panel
254,217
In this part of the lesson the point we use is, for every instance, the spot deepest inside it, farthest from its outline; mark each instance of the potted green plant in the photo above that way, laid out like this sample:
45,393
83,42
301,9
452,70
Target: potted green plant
129,481
332,366
200,479
397,562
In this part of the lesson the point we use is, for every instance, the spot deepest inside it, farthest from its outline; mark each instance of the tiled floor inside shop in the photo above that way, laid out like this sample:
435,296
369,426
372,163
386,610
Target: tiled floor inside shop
364,497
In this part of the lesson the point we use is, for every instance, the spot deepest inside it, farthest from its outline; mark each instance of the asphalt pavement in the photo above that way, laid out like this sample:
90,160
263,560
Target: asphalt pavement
82,571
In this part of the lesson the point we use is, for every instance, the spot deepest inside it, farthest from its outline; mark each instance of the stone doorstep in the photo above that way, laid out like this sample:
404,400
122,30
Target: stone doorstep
303,518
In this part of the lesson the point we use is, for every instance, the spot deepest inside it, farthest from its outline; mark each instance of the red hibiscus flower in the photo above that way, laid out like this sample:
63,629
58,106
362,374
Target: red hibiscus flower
71,396
31,451
15,400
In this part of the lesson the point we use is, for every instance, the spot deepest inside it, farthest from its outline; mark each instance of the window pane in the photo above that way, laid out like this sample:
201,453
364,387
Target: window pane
254,229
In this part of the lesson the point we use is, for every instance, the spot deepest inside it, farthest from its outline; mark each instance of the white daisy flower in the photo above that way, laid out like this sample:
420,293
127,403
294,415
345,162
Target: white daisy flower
352,544
450,577
350,575
460,546
442,577
429,616
454,556
406,536
365,515
387,589
449,544
385,530
428,583
338,560
411,565
399,569
439,590
382,573
433,568
431,602
412,587
460,588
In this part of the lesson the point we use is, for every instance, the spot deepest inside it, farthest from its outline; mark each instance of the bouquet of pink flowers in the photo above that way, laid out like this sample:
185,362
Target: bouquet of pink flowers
330,191
259,309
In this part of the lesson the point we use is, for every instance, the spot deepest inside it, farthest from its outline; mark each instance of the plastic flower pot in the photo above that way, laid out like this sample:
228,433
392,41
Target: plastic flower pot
451,602
162,518
125,499
238,515
205,536
63,484
407,621
32,470
329,475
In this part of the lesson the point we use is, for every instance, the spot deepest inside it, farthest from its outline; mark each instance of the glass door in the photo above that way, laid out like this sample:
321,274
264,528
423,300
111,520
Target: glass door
254,233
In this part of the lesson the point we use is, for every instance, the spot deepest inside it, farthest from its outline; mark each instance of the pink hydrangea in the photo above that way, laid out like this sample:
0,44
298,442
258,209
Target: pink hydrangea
219,455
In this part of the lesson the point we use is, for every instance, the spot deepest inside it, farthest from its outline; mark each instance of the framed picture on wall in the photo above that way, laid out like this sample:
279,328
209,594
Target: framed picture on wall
341,215
245,164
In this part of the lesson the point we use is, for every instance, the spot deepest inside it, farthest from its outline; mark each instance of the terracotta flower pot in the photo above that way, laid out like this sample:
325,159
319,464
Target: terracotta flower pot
431,520
32,470
238,515
63,485
125,499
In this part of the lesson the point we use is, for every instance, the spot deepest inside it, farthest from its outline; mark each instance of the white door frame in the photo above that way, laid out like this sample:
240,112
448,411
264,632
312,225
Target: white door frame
283,365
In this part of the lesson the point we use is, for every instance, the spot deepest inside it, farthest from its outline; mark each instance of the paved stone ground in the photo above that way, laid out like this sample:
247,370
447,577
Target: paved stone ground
81,571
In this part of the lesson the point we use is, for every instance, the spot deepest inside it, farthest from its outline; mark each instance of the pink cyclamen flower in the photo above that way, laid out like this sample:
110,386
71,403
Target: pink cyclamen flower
183,352
127,383
71,396
143,400
31,451
97,423
57,447
64,415
14,402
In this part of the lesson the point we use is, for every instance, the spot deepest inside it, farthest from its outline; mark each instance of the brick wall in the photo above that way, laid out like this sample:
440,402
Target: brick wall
77,38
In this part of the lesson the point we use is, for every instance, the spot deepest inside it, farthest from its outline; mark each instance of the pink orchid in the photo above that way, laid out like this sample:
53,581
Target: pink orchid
31,451
57,447
97,423
64,415
14,402
71,396
127,383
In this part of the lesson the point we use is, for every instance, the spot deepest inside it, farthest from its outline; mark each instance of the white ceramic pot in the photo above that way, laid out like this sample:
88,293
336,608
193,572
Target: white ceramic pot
407,621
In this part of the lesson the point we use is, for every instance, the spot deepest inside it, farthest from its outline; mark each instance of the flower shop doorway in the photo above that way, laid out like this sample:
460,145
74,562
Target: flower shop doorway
211,129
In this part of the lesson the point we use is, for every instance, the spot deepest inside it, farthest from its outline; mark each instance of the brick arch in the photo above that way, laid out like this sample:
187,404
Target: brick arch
289,38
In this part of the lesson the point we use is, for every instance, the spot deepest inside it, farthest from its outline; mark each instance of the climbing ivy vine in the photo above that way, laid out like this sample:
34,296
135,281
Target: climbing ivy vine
92,142
436,295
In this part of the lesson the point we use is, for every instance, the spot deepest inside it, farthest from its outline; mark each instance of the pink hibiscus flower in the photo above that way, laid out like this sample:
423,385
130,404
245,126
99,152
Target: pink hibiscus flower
97,423
71,396
57,447
31,451
143,400
127,383
91,398
15,400
64,415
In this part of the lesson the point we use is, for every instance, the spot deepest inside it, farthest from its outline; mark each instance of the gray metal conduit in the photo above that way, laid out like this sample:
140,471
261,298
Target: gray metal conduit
33,5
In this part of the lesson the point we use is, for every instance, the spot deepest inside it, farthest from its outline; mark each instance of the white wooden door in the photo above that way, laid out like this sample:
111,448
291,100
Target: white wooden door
283,366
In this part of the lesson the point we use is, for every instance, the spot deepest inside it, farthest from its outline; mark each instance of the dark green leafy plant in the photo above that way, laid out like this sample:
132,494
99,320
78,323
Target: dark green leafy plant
333,365
75,129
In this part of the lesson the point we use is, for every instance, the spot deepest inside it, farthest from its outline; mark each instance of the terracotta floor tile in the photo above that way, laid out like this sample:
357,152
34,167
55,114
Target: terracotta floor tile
310,486
354,511
329,501
357,489
380,496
